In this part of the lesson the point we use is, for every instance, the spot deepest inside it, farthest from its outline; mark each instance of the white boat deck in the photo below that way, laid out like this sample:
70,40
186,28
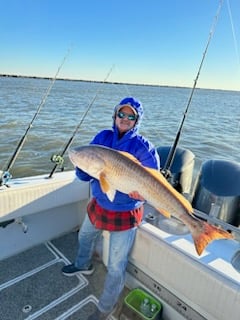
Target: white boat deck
165,264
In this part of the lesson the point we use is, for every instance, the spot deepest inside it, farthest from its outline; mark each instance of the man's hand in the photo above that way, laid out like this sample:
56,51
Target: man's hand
136,195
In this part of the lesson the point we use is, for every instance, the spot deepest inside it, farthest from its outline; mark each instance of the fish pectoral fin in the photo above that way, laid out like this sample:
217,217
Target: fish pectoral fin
104,183
105,186
164,212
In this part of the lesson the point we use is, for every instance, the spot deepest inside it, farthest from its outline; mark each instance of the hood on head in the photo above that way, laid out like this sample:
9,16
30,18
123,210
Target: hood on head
133,103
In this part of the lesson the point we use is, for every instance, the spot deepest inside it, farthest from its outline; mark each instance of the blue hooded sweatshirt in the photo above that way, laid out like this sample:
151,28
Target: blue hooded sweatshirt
131,142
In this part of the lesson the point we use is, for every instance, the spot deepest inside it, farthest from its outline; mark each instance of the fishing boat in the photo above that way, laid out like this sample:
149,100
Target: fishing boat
40,216
39,220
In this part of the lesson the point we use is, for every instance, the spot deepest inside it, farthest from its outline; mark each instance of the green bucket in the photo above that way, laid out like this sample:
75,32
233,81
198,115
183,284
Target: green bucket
134,300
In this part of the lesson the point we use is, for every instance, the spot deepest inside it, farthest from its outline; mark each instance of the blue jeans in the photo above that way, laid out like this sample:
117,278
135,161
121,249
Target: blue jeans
120,244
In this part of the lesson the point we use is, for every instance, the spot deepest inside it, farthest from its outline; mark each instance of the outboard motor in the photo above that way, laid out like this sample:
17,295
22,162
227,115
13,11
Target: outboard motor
181,168
217,191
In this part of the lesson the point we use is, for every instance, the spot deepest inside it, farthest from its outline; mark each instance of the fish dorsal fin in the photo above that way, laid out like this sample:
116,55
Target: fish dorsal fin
157,174
130,156
106,187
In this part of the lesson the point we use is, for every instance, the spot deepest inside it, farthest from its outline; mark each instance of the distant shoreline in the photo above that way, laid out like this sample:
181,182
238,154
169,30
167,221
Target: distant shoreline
92,81
111,82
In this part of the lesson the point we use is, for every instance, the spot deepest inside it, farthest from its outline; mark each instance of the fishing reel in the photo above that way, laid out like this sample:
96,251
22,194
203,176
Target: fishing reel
171,178
4,178
166,173
58,160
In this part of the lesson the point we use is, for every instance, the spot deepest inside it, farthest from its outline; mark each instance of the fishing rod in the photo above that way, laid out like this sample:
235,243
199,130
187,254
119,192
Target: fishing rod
58,158
6,174
167,166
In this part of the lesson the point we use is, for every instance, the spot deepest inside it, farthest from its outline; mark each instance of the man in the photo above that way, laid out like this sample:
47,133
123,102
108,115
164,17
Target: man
122,216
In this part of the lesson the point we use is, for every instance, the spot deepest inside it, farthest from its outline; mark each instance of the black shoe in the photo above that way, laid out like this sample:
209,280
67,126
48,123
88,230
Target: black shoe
71,270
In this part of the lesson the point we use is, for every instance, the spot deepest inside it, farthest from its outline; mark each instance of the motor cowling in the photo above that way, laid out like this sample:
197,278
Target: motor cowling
181,170
217,190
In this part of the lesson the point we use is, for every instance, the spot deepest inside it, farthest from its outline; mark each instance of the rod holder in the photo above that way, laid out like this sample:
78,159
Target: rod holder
21,222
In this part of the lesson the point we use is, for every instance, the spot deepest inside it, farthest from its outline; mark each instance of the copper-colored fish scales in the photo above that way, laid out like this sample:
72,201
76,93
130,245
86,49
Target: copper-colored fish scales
120,171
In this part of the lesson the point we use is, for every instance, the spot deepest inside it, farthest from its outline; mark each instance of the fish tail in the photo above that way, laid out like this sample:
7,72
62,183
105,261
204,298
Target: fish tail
209,233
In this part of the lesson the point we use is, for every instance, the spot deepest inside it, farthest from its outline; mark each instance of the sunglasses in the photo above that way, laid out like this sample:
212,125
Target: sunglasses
122,115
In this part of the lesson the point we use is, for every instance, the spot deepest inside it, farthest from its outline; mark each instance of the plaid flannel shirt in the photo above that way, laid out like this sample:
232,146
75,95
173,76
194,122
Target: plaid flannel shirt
113,220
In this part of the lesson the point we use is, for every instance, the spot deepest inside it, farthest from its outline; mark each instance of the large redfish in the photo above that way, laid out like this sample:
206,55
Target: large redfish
120,171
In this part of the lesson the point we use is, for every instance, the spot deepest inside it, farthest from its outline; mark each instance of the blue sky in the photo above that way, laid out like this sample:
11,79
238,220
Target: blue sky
149,41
